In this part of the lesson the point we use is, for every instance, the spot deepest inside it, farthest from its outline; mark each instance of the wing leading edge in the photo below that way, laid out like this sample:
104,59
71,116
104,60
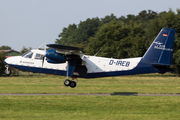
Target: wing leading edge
66,50
62,47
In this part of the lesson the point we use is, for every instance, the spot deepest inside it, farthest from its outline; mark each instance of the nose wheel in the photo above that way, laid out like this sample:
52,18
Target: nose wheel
70,83
7,71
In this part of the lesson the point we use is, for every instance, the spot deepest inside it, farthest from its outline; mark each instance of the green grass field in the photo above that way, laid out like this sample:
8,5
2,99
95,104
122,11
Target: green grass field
54,84
91,107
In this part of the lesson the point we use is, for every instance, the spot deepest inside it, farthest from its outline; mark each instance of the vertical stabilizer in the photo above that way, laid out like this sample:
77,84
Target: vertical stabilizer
161,50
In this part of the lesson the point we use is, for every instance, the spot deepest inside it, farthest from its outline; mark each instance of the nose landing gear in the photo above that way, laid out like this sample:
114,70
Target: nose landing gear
7,71
70,83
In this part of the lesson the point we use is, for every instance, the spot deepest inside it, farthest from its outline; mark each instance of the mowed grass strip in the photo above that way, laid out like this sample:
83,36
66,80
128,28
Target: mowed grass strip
123,84
89,107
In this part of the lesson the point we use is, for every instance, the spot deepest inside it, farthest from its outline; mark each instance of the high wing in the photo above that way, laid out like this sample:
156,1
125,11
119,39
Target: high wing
63,49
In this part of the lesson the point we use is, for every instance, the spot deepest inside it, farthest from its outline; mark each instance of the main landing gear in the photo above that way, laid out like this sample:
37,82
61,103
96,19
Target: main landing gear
70,71
70,83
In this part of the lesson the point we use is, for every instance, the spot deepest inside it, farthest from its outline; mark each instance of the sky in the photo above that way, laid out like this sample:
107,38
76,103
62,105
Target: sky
30,23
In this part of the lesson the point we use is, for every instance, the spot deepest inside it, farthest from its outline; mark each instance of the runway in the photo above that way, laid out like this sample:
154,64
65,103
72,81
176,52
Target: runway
74,94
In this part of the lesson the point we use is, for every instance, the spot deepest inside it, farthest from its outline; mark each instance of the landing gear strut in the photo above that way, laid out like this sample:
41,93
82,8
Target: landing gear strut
70,71
7,71
70,83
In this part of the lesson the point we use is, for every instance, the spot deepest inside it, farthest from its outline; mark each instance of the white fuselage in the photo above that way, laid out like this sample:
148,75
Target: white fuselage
101,64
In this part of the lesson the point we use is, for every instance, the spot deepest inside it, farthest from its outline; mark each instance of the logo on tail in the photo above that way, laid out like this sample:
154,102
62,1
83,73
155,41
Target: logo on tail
161,46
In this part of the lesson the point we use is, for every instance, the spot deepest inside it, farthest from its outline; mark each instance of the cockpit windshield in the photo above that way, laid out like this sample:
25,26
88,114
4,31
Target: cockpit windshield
27,54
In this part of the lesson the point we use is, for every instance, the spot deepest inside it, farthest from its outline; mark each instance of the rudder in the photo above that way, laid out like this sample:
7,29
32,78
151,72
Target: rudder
161,50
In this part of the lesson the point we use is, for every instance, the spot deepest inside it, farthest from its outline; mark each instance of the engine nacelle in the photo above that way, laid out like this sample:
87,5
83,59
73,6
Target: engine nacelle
54,57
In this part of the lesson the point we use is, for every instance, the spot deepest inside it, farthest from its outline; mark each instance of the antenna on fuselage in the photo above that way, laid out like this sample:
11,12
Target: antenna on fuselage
40,46
97,52
45,45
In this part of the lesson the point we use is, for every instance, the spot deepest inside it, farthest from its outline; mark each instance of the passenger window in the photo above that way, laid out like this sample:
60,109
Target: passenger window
39,57
28,55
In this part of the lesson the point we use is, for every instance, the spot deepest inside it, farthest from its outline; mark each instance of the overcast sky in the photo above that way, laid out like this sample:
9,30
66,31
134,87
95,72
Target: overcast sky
30,23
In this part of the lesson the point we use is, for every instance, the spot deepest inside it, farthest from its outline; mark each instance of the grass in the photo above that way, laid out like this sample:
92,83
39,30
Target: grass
90,107
54,84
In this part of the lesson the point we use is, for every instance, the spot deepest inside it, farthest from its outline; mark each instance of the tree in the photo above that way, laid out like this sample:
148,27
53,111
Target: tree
107,39
2,58
118,40
80,34
65,38
107,19
5,47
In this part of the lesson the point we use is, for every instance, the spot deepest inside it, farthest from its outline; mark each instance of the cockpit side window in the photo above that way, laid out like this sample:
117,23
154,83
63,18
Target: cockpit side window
28,54
39,56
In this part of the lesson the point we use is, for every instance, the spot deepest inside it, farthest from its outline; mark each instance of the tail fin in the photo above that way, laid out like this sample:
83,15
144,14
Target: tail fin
161,50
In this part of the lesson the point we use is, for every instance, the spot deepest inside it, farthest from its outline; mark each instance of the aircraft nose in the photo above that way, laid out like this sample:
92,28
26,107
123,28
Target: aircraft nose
7,60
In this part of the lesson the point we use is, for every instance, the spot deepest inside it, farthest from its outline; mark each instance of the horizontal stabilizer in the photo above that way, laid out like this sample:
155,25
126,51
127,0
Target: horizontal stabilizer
163,68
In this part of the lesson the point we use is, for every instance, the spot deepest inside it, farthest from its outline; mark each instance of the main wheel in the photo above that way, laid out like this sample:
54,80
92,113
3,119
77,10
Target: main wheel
67,82
72,84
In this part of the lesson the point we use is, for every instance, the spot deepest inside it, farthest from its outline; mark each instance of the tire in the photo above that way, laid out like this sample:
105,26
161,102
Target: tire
7,72
67,82
72,84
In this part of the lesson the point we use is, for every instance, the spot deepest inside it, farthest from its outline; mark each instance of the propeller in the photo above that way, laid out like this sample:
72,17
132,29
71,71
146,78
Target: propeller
43,61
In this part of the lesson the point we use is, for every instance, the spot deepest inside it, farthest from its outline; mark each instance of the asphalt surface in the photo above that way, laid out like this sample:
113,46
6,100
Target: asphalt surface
114,94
